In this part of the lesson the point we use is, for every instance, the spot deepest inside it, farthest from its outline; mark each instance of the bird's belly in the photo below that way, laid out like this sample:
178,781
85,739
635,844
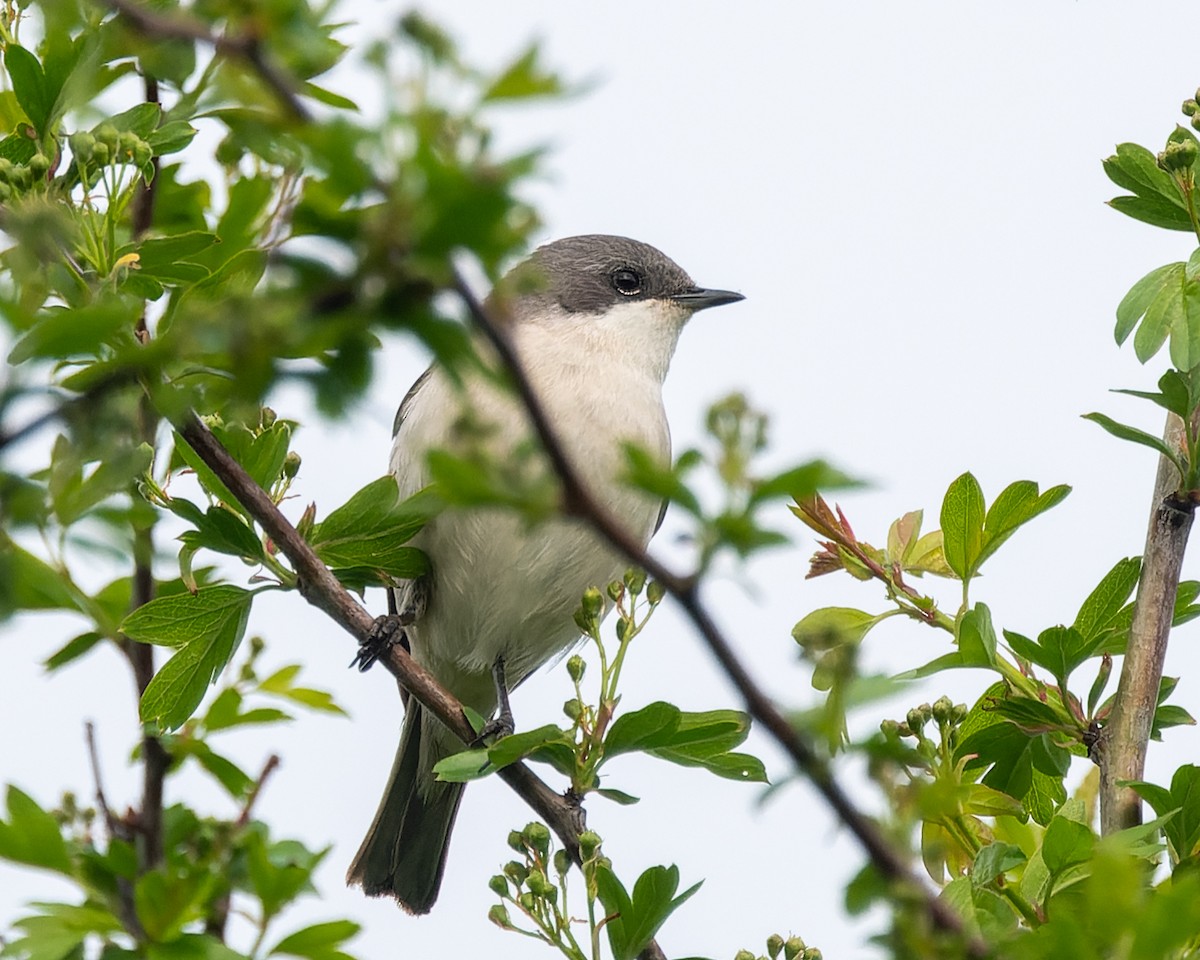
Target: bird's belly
511,592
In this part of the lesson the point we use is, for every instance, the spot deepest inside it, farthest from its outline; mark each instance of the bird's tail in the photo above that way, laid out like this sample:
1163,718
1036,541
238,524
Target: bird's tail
404,852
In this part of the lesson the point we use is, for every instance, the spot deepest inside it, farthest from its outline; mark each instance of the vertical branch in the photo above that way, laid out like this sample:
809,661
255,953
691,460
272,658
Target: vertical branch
1122,749
141,656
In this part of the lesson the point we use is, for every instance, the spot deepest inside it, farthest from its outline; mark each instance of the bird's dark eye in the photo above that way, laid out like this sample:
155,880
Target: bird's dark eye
627,282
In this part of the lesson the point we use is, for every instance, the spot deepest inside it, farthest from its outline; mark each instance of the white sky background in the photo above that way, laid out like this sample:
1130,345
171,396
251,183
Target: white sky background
911,198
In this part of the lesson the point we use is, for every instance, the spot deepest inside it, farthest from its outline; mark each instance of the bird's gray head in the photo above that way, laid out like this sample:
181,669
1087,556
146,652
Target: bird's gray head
591,274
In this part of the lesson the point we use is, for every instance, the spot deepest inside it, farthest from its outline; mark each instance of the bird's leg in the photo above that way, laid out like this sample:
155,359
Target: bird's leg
390,628
501,725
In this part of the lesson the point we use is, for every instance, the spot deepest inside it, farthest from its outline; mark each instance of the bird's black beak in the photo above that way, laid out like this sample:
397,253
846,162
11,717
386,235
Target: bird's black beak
702,299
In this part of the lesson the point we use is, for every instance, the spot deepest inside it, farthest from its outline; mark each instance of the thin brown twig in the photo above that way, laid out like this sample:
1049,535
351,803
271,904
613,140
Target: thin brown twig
1121,750
162,26
579,502
118,829
269,768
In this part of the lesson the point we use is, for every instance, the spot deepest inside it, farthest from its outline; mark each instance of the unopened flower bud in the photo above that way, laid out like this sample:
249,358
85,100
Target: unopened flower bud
943,710
101,152
774,945
516,872
499,885
615,590
572,708
127,142
142,153
960,713
635,581
593,603
1178,155
107,134
528,901
562,862
538,885
537,835
7,169
83,145
889,728
267,416
1190,107
812,953
744,955
622,628
588,842
1196,122
792,948
576,667
291,464
499,916
655,591
39,166
914,719
516,841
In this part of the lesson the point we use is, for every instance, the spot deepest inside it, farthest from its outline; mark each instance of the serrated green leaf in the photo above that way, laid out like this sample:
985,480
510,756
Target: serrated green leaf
65,332
141,119
517,746
977,637
1105,603
1135,303
371,527
650,726
179,619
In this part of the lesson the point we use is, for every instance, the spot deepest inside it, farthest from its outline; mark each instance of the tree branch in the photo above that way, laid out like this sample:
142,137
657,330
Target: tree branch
578,501
322,589
161,26
1121,750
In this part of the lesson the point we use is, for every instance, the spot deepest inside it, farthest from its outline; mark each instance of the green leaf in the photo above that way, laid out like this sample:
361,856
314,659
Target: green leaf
618,796
523,78
370,528
31,835
1164,315
995,860
1105,603
1183,799
645,472
1148,179
962,517
517,746
319,941
1134,435
831,627
1135,303
1185,331
463,767
977,637
29,84
984,913
801,482
731,766
1065,648
651,726
635,919
1017,504
1065,844
181,618
29,583
141,119
63,332
209,625
1152,210
72,650
171,137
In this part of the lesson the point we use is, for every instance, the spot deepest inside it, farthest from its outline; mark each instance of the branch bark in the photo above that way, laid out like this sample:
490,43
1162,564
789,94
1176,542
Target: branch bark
1121,750
322,589
578,502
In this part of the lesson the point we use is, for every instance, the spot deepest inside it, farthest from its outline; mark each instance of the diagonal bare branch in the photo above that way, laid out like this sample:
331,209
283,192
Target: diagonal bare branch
579,502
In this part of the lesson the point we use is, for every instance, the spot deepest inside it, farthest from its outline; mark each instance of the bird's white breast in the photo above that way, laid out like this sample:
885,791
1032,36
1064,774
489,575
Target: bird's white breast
498,587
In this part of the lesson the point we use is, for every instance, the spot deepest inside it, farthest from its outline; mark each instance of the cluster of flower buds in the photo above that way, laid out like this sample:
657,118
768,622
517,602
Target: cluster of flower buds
16,178
793,948
106,144
526,882
1191,108
943,711
1178,155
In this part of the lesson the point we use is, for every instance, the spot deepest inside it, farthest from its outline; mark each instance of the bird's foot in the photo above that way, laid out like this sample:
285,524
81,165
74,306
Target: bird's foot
501,725
385,632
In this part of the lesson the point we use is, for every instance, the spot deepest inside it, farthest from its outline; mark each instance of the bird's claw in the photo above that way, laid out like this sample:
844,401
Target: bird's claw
495,729
385,632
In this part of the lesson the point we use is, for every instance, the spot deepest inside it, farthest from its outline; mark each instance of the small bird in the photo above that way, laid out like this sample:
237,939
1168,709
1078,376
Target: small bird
594,321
